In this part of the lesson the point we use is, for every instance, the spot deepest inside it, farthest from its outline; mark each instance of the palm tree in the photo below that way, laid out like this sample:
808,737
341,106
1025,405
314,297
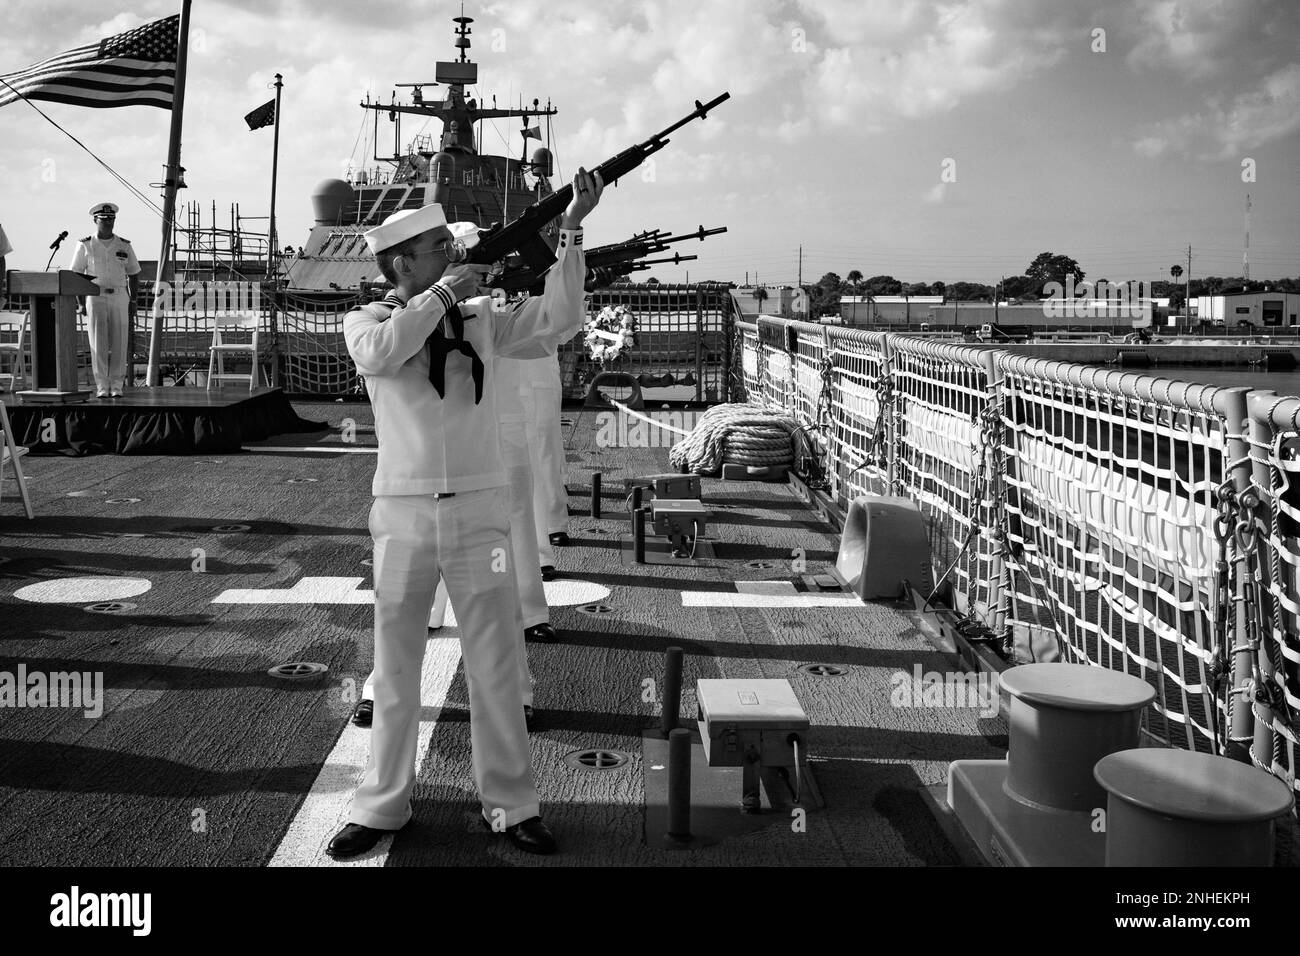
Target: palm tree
1176,270
759,295
854,279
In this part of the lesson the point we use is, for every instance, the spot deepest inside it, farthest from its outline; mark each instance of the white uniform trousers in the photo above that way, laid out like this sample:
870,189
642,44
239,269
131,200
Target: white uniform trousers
466,539
517,455
546,448
523,540
109,332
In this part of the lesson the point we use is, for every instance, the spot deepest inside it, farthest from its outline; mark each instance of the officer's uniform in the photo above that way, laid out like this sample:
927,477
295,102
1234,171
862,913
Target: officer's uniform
442,508
110,261
540,388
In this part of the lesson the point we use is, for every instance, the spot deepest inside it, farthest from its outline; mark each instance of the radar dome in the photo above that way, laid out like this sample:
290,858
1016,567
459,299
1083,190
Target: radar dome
329,200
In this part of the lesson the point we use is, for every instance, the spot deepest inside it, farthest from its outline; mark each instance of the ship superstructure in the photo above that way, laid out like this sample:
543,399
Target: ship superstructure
453,170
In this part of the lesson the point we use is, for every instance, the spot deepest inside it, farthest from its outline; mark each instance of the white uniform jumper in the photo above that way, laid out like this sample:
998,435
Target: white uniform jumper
442,508
540,388
110,261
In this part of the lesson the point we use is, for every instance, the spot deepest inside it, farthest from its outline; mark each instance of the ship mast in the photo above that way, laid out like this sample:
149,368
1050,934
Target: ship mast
457,114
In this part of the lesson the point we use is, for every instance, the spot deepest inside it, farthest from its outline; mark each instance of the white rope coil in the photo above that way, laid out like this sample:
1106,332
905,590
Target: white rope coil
736,434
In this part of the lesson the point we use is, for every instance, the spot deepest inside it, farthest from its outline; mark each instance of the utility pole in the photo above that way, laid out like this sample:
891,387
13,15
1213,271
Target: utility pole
1187,294
805,311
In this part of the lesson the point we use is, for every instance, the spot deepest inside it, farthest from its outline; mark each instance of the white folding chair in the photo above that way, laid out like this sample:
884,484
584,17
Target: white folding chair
11,454
244,322
13,326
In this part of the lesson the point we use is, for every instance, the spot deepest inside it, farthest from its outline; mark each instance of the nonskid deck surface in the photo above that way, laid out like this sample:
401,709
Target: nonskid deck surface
201,758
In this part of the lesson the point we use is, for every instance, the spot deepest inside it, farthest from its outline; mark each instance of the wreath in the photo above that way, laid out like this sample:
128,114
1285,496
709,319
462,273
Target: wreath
610,334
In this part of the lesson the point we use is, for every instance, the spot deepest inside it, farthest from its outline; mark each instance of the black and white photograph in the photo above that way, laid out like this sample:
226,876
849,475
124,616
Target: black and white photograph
763,437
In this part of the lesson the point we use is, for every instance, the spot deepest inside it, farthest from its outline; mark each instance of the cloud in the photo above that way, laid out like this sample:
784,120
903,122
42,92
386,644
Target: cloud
913,61
1205,38
1226,129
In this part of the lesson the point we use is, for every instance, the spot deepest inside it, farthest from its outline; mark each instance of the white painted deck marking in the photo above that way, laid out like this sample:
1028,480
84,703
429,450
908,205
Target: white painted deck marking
348,591
306,591
82,590
768,594
325,811
318,449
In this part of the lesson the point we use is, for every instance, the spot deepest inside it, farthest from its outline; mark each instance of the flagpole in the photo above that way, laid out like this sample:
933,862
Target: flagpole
275,166
153,376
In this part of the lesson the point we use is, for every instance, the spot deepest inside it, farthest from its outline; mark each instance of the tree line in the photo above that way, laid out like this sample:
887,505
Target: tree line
1047,267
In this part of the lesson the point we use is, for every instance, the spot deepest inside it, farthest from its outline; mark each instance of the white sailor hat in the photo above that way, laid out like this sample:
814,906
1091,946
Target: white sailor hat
466,232
403,225
103,209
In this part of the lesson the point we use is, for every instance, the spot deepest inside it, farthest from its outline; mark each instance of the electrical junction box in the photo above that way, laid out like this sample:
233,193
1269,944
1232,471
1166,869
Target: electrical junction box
679,517
741,720
667,486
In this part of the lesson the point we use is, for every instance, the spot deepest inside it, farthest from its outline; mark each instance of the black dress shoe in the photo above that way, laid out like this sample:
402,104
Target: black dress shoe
354,839
548,572
528,716
540,633
531,836
559,539
364,714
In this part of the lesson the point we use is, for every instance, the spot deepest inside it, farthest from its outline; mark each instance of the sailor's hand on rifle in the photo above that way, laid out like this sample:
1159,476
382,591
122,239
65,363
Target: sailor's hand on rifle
587,188
465,279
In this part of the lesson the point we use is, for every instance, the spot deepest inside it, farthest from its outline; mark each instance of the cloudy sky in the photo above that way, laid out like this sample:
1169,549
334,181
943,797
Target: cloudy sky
923,140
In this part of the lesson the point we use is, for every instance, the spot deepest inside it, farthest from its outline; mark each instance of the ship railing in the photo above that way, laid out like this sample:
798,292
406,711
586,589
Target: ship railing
1076,512
188,317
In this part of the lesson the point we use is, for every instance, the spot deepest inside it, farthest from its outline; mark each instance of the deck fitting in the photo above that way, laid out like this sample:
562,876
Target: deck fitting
110,607
231,528
596,759
595,609
823,670
298,670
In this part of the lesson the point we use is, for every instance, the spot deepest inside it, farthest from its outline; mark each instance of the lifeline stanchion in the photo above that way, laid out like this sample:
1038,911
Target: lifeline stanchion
672,692
595,494
679,788
636,499
638,535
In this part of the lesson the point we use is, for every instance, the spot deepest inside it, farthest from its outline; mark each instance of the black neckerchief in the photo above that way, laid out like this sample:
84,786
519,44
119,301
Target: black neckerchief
440,346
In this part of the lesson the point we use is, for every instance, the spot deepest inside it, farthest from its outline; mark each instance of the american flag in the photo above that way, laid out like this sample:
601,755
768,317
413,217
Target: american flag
135,68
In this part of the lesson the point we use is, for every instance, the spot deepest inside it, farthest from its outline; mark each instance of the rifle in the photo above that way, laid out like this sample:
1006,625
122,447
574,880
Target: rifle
616,259
523,234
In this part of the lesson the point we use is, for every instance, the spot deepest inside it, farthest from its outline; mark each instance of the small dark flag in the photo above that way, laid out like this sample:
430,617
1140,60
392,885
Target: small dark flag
264,115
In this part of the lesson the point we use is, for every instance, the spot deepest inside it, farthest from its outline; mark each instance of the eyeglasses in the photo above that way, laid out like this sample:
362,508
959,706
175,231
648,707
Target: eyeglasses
453,250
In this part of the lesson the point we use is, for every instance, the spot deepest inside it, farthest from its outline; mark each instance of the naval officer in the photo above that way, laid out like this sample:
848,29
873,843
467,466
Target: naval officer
111,260
442,507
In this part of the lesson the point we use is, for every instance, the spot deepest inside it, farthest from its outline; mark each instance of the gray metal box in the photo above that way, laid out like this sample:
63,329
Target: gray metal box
738,717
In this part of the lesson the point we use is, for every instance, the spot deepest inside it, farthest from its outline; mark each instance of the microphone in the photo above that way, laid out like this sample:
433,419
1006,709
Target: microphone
59,241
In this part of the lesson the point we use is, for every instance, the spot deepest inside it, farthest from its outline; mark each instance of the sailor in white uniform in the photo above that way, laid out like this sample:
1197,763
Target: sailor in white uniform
513,419
540,388
111,260
442,507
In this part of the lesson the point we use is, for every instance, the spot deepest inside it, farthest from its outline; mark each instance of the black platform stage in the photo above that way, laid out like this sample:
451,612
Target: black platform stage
169,420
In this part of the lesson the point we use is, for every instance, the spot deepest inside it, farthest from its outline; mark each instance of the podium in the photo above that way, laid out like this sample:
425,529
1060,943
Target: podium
54,333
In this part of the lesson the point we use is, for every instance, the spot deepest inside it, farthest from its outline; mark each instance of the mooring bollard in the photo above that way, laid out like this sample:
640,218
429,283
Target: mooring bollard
679,788
595,494
672,694
638,535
